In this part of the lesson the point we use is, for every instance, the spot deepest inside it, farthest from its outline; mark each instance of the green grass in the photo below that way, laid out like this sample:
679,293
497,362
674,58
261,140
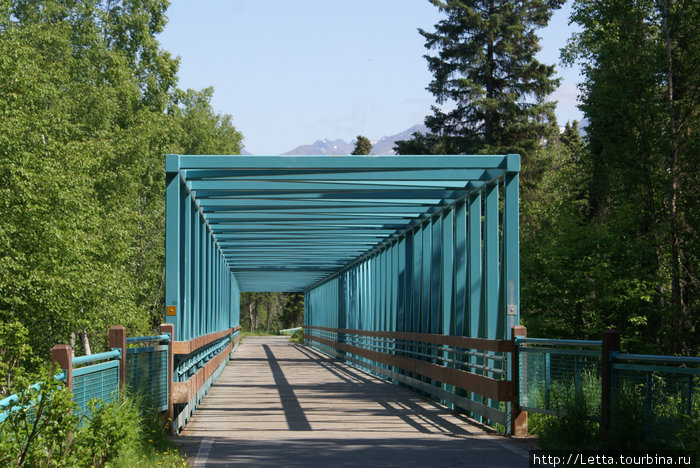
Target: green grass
154,447
573,429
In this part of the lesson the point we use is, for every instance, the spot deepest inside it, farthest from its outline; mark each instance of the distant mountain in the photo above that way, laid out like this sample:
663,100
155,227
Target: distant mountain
385,145
323,147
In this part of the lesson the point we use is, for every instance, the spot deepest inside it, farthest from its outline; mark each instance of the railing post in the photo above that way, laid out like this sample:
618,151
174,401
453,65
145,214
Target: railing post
518,418
611,342
169,328
117,339
62,355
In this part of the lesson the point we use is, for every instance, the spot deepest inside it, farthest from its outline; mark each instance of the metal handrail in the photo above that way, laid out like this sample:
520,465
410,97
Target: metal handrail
6,401
114,354
195,360
615,356
165,337
413,343
546,341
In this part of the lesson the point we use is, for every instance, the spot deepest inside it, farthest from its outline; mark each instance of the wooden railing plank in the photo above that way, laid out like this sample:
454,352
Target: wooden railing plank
500,390
499,346
187,347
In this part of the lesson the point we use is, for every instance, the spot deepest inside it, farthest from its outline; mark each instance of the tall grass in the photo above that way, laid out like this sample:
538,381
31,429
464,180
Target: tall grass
573,424
635,424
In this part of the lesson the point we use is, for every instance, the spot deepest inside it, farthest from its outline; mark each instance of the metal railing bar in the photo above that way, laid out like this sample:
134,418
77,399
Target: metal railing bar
401,342
147,349
559,351
114,354
95,368
664,369
546,341
652,358
145,339
441,359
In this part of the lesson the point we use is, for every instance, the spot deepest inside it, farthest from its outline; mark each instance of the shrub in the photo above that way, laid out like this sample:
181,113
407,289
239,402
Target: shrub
297,337
43,429
40,426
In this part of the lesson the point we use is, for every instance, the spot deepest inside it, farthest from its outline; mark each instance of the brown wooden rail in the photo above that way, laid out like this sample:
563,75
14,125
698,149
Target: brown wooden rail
187,347
504,346
501,390
184,391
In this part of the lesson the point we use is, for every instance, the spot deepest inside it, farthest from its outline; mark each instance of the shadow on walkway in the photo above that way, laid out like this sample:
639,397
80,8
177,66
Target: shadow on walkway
284,405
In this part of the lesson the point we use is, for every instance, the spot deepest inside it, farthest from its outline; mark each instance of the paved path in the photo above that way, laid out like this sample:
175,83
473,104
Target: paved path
282,405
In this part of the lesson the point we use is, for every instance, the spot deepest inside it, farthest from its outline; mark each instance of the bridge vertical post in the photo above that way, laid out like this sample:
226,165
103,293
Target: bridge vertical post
169,328
62,355
173,253
518,417
117,339
611,342
510,268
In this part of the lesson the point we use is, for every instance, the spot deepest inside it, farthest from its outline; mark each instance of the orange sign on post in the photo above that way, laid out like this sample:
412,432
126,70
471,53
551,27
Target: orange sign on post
171,310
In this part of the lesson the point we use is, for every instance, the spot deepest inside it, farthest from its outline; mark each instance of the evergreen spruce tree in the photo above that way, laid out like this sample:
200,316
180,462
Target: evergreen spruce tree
486,72
362,146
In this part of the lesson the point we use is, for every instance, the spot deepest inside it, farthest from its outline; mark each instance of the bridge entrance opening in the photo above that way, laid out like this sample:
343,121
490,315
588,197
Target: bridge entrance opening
409,264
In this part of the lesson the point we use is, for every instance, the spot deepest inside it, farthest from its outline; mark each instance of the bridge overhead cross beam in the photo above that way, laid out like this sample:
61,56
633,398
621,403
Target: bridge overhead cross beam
403,243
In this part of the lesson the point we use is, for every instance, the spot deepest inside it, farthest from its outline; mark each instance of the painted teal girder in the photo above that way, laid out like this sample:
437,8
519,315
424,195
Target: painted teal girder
293,223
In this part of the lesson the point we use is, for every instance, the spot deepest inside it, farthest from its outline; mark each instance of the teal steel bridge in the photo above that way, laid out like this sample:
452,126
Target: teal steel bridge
409,266
391,252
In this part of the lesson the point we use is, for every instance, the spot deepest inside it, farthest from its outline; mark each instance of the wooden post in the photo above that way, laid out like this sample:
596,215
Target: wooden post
117,339
518,418
170,328
611,342
62,355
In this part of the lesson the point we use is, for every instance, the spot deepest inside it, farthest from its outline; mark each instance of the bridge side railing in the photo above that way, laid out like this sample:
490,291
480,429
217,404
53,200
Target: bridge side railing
129,366
198,363
173,375
550,370
101,376
472,374
662,390
658,390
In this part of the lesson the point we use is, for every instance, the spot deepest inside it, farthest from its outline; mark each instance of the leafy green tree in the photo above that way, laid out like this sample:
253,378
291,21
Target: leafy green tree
640,95
293,311
89,109
362,146
276,310
486,72
15,358
201,130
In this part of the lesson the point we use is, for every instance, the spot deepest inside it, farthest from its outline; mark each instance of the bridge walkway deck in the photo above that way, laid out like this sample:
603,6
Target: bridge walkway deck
283,405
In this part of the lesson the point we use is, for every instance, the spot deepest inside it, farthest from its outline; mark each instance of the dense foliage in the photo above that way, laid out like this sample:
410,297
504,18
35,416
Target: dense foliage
271,312
609,222
46,428
89,106
612,240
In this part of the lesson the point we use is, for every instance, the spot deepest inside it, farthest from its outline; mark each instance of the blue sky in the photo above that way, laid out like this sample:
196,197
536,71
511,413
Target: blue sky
294,71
